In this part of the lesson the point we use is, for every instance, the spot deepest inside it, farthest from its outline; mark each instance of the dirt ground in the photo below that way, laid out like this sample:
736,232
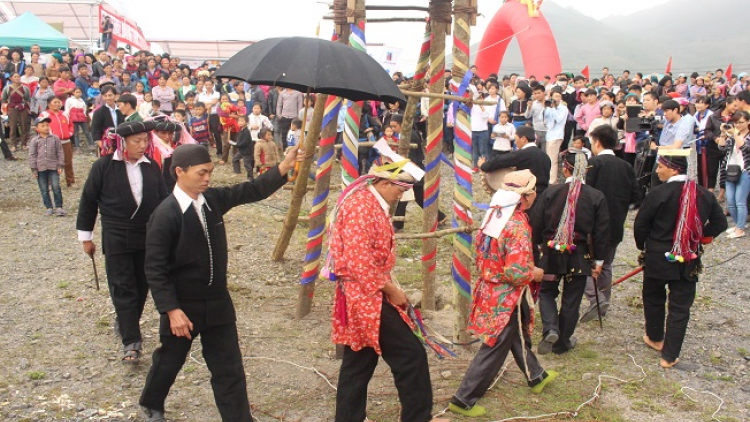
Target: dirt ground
61,359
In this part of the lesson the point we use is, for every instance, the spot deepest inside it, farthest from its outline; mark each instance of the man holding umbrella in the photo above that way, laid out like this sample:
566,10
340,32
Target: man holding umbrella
186,268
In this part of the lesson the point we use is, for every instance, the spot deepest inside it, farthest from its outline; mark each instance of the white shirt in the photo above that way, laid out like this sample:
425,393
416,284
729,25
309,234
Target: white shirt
184,200
607,152
503,143
381,201
678,178
135,178
113,113
529,145
206,98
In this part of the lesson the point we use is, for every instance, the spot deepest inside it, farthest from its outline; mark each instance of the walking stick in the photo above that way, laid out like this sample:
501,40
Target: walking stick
301,142
96,274
598,310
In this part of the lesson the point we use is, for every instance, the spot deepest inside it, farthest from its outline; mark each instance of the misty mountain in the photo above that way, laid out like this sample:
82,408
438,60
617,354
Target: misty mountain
644,41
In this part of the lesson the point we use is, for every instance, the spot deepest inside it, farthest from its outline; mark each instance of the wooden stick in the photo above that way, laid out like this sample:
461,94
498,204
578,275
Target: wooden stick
300,187
417,8
436,234
305,219
445,97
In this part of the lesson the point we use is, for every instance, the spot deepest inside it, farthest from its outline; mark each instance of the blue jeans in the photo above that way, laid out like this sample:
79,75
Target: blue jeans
46,178
737,200
81,126
480,145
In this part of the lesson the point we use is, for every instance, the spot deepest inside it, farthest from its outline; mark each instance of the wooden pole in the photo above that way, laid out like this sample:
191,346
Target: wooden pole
437,234
300,186
464,17
411,102
440,17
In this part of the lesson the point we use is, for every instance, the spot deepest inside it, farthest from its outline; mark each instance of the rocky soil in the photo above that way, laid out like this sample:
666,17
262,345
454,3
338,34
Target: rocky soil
60,358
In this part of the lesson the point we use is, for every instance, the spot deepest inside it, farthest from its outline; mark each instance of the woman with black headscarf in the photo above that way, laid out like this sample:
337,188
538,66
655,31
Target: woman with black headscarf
520,104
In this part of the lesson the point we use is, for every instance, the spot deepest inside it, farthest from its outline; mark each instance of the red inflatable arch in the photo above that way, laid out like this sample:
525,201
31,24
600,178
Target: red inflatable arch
538,45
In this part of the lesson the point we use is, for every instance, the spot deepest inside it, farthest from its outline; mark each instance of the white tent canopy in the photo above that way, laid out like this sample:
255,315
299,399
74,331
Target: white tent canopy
199,50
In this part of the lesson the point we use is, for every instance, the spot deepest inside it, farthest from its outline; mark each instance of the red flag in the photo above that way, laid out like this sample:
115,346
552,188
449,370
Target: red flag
669,65
728,73
585,72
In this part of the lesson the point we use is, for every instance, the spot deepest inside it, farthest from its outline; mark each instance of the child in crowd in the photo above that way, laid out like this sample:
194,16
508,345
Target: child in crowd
155,108
198,124
94,94
47,161
503,134
292,139
257,121
241,109
180,116
390,138
245,146
265,153
75,107
228,117
578,144
144,109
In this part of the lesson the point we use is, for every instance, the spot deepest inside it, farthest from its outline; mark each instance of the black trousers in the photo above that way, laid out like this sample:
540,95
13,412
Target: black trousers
5,148
570,128
489,360
128,289
681,298
563,322
214,126
419,197
221,350
285,124
406,356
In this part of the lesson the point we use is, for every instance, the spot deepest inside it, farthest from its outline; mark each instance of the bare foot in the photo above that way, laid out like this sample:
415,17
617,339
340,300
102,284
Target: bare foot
440,420
656,345
666,365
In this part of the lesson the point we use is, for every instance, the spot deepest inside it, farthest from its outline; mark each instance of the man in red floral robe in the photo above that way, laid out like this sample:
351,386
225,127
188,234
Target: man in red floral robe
369,316
502,313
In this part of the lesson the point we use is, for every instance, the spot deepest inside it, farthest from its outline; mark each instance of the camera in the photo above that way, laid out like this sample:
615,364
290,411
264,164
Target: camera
726,127
548,103
649,123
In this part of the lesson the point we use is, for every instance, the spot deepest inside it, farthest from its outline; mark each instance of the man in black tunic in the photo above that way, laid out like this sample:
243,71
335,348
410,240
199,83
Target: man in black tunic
654,232
615,178
528,156
186,268
125,187
571,223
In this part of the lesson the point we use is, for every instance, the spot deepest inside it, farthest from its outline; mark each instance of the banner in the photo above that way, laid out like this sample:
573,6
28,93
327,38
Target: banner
123,30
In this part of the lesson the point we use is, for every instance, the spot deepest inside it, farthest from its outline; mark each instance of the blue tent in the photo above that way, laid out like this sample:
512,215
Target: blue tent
28,29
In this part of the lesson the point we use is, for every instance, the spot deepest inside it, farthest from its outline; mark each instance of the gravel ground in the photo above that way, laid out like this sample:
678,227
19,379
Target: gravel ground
61,359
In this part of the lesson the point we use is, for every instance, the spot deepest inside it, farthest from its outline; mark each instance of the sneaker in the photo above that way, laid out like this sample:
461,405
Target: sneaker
546,345
49,212
591,313
59,212
550,376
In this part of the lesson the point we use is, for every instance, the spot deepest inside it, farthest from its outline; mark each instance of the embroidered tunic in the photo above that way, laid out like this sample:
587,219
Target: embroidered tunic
363,248
505,268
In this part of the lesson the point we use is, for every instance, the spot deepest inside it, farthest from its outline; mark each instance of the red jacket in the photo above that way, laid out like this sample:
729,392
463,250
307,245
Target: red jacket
60,125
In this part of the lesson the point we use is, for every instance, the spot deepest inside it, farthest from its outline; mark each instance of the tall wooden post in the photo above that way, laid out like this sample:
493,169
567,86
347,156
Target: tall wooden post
464,16
417,84
440,17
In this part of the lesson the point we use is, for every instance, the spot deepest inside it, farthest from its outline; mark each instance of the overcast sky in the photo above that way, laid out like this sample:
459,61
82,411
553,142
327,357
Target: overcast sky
259,19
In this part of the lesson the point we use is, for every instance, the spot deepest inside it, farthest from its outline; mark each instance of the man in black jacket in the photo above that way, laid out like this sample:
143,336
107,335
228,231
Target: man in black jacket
654,232
528,156
106,116
567,254
245,146
615,178
125,187
186,268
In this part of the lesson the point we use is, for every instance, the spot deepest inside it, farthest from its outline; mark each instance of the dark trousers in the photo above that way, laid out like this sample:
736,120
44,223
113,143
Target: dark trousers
570,128
128,289
419,197
7,153
489,360
681,298
285,123
563,322
214,126
247,160
406,356
221,350
604,282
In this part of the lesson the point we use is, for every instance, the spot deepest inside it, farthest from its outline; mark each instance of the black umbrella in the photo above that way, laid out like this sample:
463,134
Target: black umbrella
314,65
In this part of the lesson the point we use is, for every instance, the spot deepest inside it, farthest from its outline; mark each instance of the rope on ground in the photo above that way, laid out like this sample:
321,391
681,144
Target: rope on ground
594,397
307,368
721,401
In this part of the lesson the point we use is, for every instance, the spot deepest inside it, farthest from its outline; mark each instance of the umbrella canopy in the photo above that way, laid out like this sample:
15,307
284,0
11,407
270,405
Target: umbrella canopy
321,66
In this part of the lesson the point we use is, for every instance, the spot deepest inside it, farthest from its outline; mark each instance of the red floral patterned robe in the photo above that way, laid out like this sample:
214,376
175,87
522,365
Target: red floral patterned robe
505,267
363,247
